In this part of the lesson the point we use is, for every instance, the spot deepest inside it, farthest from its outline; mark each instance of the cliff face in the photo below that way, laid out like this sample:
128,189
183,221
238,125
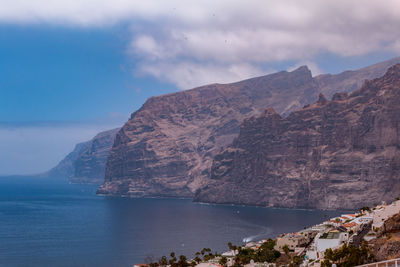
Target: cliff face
167,146
343,153
86,163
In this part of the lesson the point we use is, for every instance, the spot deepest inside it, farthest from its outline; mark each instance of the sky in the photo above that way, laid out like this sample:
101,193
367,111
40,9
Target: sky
69,69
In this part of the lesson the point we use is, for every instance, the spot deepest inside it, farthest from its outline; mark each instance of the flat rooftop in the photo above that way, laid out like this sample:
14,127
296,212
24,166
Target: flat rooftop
330,235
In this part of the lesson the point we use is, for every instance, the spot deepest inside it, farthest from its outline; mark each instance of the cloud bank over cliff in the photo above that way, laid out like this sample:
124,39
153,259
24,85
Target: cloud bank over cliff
189,43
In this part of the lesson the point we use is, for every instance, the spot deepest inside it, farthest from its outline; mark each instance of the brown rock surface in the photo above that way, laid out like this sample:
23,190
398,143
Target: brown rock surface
167,146
387,245
343,153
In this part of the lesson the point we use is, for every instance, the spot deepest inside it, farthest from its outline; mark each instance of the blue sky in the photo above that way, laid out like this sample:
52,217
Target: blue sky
69,69
60,86
72,75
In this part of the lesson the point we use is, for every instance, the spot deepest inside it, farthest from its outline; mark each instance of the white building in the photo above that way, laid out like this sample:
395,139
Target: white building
208,264
331,240
258,264
364,219
383,213
230,253
323,241
312,253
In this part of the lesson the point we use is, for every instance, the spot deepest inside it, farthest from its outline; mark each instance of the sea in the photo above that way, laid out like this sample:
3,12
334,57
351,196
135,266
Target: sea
50,222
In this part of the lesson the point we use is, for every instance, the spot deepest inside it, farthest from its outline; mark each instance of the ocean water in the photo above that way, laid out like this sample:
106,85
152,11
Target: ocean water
53,223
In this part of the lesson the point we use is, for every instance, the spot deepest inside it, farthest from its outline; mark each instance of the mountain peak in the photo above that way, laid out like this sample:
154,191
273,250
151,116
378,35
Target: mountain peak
302,69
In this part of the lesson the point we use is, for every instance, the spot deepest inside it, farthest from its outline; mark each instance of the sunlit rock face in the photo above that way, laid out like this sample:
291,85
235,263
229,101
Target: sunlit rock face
343,153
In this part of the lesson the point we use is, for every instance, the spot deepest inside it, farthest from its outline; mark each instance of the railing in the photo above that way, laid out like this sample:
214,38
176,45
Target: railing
388,263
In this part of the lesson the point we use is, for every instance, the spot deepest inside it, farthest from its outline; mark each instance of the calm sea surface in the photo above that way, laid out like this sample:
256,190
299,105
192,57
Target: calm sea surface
48,223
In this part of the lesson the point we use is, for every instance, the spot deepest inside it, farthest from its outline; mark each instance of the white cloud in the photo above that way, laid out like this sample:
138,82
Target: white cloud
190,42
189,74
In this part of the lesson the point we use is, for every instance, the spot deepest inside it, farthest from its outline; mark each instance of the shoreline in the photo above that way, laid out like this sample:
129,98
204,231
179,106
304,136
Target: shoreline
222,204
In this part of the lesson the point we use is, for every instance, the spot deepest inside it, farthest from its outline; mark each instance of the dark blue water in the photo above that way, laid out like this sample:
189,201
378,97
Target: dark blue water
45,223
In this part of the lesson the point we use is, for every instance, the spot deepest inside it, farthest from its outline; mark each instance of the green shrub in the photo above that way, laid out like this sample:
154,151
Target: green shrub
348,256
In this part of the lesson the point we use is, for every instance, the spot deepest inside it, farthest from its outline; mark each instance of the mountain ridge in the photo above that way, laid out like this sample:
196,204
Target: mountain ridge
167,146
342,153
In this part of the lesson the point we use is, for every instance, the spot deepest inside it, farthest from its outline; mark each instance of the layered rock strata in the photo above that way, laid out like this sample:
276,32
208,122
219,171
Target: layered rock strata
343,153
167,146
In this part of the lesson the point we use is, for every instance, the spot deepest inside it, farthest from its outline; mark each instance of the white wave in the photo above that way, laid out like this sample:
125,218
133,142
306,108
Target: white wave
258,237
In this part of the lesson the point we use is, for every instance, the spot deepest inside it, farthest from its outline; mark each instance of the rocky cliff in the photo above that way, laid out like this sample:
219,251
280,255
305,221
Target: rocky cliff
86,163
343,153
167,146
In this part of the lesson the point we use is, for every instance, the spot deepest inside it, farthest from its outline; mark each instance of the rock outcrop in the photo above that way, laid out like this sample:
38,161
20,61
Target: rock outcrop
86,163
343,153
387,245
167,146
